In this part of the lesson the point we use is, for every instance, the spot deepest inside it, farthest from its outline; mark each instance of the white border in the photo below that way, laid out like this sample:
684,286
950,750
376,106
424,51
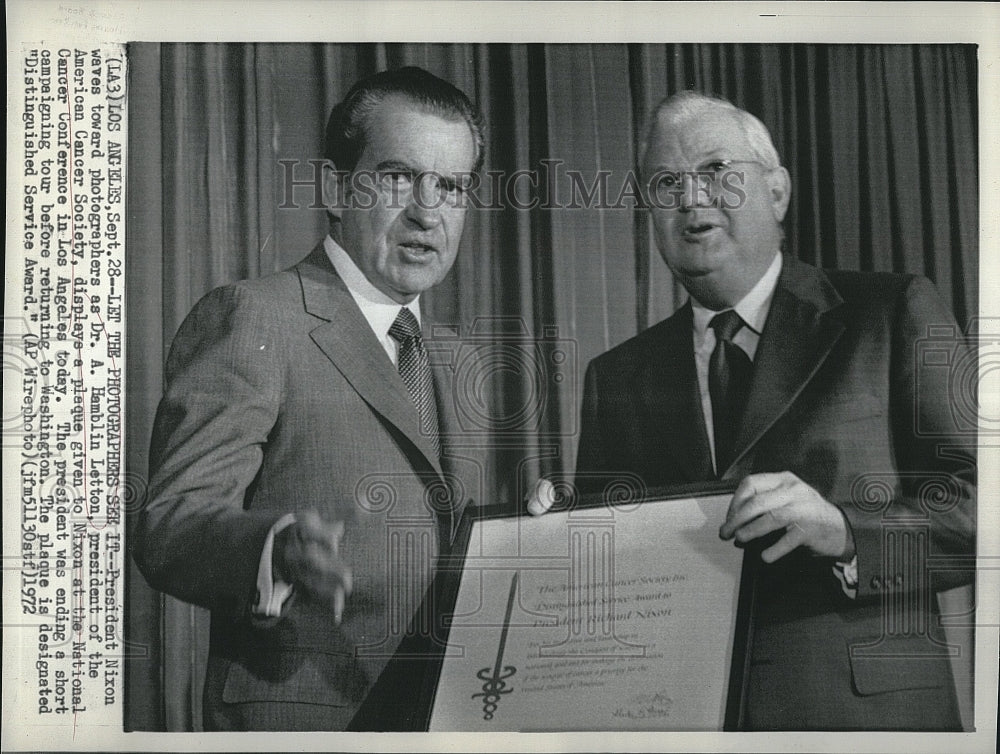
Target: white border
35,21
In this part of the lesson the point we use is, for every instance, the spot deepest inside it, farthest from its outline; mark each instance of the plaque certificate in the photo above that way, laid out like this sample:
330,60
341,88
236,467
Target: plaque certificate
604,617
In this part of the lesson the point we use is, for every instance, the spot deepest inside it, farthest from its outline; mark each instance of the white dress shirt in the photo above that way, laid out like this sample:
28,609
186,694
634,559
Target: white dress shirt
753,309
379,312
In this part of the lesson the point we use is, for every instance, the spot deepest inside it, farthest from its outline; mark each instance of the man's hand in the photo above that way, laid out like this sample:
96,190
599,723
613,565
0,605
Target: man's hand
764,503
306,554
542,497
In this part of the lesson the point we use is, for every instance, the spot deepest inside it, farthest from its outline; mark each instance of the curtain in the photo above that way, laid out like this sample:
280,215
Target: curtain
880,140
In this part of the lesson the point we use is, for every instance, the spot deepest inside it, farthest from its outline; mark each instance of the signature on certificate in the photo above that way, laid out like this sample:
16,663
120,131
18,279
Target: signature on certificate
645,706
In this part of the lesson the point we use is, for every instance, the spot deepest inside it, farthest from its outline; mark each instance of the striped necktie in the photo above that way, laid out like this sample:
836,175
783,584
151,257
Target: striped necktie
416,374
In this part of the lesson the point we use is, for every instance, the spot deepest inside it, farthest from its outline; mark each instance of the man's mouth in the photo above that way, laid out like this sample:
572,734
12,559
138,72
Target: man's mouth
697,231
418,248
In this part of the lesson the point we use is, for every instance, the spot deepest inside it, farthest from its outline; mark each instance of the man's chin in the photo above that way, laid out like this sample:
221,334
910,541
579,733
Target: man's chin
699,265
412,283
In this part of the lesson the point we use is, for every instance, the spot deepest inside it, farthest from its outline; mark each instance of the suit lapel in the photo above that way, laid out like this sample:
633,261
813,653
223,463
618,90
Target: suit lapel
348,341
798,335
459,487
675,408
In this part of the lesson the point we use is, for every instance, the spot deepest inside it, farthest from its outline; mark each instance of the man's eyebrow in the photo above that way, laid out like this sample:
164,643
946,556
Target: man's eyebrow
448,181
451,182
395,165
663,168
718,153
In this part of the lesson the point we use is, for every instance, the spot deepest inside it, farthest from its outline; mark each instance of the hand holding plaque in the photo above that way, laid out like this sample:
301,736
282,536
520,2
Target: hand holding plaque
781,502
596,617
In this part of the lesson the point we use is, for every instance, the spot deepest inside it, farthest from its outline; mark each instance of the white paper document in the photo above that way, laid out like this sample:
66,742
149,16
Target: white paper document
595,619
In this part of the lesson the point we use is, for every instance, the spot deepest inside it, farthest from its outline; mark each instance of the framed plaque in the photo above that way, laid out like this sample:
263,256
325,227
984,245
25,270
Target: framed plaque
629,615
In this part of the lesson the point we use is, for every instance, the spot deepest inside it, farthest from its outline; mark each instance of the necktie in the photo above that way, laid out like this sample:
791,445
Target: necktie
729,371
416,373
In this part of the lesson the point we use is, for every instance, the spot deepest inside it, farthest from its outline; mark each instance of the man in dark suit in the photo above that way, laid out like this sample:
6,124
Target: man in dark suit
302,483
806,388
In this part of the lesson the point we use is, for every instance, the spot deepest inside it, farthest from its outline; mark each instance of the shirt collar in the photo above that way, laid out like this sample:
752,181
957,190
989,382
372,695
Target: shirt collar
379,310
752,308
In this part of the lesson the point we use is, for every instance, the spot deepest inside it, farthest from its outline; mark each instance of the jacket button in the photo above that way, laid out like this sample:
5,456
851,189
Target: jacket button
876,583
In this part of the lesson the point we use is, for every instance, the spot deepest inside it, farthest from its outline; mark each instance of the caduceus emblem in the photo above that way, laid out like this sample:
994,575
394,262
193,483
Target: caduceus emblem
495,679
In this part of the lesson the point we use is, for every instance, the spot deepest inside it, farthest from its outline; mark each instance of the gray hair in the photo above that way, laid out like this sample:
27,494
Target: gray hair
683,106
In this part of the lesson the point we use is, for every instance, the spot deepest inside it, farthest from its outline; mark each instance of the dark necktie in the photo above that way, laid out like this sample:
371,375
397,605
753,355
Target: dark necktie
729,372
416,373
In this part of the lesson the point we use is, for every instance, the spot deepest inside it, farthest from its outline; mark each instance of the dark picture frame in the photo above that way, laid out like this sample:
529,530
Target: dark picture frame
404,696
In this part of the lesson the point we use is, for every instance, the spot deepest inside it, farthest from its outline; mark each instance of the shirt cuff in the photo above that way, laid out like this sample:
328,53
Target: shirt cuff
271,594
847,574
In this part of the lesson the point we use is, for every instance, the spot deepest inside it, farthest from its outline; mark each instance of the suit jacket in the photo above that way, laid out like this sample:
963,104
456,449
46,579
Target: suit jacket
842,395
280,398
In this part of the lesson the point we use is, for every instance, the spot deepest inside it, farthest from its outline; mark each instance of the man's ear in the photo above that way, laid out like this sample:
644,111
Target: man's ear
334,190
779,183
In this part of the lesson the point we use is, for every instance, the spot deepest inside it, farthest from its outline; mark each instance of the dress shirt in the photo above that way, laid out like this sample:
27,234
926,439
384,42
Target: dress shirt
753,310
380,312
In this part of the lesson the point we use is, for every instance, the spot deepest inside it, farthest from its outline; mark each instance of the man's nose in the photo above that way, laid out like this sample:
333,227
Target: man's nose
424,207
697,190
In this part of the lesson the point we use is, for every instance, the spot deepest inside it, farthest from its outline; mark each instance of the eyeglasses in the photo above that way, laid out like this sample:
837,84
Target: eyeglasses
710,170
711,180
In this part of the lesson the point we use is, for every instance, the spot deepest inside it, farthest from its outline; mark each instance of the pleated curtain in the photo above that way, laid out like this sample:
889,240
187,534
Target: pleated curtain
880,140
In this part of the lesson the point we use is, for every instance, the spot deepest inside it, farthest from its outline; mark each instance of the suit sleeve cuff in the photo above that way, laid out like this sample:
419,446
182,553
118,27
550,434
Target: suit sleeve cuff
847,574
271,594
